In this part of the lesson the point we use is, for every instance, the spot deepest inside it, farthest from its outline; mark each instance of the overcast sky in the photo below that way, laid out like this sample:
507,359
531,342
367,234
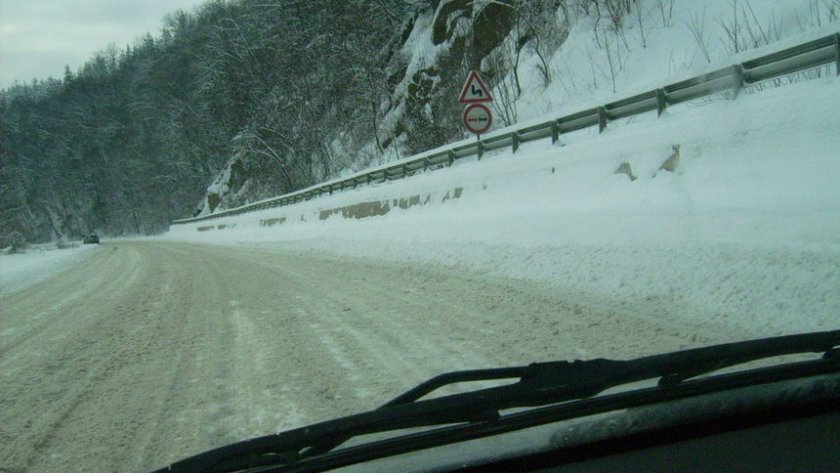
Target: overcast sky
39,37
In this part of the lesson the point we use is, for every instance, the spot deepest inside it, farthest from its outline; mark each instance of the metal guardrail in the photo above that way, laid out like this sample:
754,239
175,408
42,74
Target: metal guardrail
808,55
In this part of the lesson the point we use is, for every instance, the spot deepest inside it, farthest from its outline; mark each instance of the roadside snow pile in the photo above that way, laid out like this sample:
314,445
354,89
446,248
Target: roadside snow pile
744,231
18,271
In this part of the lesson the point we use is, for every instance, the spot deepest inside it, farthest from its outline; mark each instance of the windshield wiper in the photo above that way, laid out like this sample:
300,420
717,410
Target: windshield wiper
478,413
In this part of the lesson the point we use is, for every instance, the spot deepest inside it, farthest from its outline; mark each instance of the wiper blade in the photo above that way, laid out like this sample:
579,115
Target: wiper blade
539,384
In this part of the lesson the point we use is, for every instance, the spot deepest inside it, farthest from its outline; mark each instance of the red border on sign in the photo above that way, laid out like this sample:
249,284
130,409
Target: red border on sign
476,130
474,76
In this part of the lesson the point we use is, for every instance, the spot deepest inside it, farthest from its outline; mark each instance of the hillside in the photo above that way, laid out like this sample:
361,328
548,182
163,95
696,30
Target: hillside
240,101
741,231
132,139
723,210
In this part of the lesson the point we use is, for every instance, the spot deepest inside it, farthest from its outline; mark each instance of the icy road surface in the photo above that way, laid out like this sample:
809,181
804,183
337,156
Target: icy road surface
148,352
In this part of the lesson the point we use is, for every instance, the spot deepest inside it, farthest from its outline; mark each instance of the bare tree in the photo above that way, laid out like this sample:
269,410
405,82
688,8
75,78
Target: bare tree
666,11
697,27
640,21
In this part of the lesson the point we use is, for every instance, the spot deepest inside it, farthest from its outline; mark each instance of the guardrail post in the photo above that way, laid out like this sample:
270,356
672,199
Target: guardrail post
555,132
602,119
737,79
451,155
837,53
514,141
425,164
405,170
661,102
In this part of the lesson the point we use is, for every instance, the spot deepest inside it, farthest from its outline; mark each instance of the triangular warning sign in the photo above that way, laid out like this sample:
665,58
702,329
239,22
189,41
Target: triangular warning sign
474,90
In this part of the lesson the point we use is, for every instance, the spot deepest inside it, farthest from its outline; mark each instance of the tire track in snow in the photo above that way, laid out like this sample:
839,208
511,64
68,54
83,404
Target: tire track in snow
191,347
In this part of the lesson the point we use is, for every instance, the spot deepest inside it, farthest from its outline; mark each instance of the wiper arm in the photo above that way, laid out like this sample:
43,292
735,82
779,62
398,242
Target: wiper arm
559,381
539,384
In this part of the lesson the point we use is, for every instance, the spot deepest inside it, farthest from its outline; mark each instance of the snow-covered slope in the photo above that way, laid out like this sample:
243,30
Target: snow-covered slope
745,231
675,39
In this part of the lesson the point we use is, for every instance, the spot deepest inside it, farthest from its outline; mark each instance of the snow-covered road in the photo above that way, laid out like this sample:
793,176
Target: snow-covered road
146,352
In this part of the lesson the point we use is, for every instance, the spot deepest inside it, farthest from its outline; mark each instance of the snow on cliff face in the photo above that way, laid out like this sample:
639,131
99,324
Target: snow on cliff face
229,189
425,68
219,187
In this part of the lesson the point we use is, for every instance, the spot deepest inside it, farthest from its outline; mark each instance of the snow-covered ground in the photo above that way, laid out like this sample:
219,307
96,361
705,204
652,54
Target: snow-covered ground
745,232
21,270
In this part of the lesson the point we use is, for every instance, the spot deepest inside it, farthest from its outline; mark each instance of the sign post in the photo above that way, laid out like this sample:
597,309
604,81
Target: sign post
477,117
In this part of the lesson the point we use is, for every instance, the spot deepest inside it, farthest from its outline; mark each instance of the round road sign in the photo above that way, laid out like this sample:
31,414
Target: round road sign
477,118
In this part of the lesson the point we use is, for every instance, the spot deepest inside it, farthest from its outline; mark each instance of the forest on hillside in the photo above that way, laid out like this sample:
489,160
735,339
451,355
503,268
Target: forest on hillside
240,100
131,140
268,96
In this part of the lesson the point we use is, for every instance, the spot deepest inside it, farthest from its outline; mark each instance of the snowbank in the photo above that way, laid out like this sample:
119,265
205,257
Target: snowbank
18,271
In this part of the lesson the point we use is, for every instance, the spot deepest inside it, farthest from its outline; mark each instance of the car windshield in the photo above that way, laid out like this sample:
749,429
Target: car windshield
224,219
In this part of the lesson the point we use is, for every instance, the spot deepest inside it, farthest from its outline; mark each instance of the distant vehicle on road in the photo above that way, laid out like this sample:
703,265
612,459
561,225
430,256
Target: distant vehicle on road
92,239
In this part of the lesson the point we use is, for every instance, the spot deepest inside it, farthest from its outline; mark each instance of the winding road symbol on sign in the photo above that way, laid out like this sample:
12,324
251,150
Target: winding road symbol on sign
474,90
